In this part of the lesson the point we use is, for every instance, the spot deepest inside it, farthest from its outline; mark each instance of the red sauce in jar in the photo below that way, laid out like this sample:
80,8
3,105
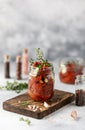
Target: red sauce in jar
69,71
41,84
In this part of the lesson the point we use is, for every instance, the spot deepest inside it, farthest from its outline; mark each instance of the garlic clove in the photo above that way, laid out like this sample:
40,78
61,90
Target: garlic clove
74,114
46,80
46,105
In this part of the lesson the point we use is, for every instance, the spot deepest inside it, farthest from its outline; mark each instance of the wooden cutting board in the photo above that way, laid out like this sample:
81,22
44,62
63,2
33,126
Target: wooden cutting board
24,105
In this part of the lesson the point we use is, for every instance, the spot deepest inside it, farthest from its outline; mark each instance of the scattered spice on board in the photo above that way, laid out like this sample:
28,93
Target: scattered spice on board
30,106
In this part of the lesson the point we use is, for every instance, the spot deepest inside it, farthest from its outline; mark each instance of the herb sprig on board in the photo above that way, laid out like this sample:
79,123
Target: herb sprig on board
24,103
15,86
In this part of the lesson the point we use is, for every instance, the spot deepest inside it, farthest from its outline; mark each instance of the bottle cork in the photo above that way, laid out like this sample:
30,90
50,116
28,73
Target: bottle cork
6,57
18,67
18,58
25,50
7,66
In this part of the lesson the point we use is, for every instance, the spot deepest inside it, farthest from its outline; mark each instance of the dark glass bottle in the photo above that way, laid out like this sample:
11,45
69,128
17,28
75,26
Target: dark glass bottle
7,66
80,90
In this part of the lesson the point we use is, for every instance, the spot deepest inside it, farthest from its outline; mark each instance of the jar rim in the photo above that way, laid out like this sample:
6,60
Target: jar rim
47,67
74,60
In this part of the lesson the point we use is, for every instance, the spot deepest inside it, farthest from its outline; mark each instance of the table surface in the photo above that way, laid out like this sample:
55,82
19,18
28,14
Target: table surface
59,119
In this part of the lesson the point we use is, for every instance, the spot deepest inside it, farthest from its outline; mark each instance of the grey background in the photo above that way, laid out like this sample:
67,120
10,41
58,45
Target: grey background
56,26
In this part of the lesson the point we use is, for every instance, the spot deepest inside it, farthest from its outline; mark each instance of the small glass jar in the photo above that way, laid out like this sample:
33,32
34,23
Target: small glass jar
18,68
25,62
7,66
41,83
80,90
70,68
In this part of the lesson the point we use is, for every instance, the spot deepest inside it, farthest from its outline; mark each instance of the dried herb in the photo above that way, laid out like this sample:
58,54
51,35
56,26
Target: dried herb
15,86
25,120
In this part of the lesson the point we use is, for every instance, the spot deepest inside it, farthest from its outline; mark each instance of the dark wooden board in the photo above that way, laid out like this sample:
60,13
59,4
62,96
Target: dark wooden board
60,99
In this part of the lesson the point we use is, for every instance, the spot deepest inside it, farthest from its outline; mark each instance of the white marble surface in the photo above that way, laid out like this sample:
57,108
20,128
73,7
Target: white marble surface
60,119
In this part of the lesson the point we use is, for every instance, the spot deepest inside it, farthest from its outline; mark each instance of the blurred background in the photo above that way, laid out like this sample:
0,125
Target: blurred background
55,26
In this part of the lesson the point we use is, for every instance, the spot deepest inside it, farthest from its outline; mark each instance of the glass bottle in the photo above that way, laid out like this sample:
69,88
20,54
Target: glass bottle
70,67
18,67
25,62
41,83
80,90
7,66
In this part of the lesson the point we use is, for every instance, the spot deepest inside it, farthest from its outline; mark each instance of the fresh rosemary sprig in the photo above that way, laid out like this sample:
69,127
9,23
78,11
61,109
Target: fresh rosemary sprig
15,86
31,61
39,55
40,58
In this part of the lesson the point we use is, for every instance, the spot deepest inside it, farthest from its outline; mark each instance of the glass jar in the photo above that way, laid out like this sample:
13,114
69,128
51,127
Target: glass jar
7,66
80,90
25,62
18,67
70,68
41,83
